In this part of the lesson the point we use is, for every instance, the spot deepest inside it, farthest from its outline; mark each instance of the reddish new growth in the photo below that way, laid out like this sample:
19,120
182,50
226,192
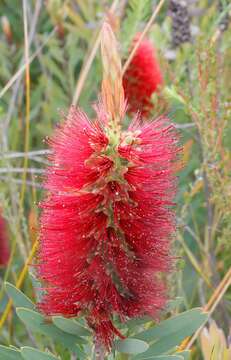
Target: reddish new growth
107,222
4,243
142,78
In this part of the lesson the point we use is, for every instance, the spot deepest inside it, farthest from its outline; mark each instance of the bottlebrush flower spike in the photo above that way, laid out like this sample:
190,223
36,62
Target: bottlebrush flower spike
142,78
107,222
4,243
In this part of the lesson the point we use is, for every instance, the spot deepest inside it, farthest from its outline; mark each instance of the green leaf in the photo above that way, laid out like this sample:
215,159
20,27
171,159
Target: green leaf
131,346
172,304
164,357
29,353
18,298
172,95
185,354
171,332
139,321
7,353
70,326
136,12
37,323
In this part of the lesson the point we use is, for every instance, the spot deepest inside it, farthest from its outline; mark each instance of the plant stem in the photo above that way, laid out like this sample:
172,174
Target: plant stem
99,351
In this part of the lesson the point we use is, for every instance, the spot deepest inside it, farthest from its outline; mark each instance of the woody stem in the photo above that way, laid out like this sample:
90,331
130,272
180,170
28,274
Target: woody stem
99,351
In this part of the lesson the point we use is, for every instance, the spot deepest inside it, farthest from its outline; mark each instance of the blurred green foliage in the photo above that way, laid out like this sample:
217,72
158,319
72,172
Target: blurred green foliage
196,97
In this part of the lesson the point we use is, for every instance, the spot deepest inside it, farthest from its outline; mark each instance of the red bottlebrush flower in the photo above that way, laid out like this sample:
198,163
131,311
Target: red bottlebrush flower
107,221
142,78
4,243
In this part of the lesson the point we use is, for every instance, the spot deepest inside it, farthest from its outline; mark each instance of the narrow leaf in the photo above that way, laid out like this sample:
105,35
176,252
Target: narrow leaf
185,354
172,331
18,298
29,353
164,357
37,323
172,304
70,326
131,346
7,353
